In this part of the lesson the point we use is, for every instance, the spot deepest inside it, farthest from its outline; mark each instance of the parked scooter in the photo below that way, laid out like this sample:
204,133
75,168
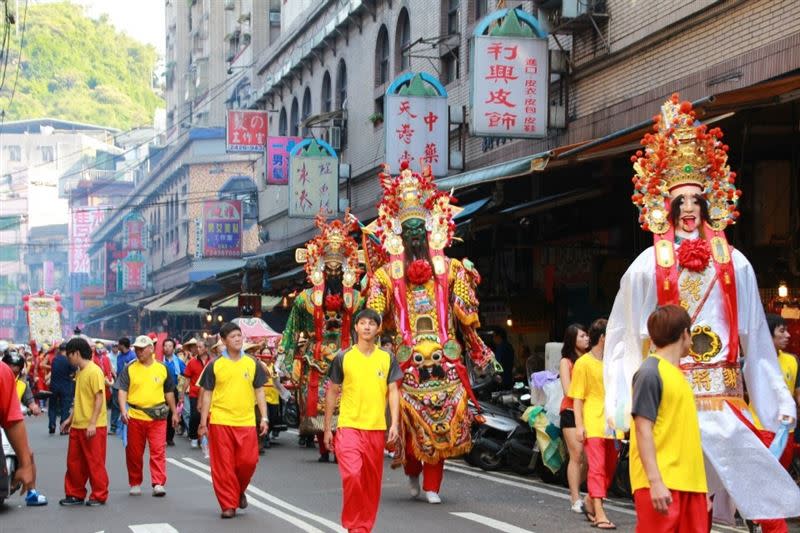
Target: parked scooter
8,466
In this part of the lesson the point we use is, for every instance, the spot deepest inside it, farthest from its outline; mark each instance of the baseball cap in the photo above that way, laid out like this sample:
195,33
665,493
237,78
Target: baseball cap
143,341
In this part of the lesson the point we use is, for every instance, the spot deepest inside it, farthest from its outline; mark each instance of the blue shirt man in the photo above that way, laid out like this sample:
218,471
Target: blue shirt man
126,354
173,363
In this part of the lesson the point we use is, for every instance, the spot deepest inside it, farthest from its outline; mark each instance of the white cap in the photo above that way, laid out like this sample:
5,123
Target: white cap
143,341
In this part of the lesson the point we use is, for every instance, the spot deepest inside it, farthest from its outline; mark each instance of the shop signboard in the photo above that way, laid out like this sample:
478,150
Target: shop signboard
222,228
278,149
246,130
313,180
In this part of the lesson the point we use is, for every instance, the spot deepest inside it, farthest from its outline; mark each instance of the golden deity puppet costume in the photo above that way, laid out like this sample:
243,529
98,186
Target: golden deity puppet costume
424,296
686,196
323,315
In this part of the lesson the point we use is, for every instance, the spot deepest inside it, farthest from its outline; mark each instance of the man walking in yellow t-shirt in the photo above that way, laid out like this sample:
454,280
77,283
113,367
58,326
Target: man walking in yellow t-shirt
668,475
86,452
146,397
231,385
362,376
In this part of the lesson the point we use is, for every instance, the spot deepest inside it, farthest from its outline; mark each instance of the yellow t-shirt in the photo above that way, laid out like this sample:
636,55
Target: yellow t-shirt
88,382
662,394
587,385
788,364
146,386
271,394
365,381
21,386
233,387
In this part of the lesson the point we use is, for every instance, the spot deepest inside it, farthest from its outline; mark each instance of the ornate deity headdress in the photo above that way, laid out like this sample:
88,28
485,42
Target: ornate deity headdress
413,195
333,245
682,151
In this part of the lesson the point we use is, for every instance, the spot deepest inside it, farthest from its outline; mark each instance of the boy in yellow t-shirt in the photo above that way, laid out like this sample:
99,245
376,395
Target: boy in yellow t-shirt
363,376
588,393
86,452
666,457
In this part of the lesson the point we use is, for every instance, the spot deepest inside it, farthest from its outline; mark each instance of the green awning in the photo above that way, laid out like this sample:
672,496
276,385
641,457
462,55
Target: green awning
268,303
511,169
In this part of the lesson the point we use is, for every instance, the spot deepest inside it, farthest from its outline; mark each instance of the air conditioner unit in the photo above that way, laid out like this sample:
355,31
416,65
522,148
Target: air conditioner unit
275,18
339,123
335,137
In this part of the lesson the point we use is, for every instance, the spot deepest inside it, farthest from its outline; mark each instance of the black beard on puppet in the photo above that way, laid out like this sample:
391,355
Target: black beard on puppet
415,241
333,281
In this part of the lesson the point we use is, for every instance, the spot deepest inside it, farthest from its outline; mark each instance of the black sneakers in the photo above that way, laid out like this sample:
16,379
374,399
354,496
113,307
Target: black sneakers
70,501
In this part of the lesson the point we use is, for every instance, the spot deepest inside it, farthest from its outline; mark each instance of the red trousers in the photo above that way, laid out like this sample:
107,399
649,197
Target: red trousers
777,525
360,457
86,461
154,434
602,457
432,473
687,514
233,452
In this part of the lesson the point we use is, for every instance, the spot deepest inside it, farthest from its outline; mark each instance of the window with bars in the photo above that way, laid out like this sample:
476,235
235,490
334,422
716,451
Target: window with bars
382,57
325,100
403,61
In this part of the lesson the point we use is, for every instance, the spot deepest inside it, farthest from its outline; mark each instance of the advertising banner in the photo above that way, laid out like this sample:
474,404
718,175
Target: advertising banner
222,228
278,149
314,180
246,130
82,222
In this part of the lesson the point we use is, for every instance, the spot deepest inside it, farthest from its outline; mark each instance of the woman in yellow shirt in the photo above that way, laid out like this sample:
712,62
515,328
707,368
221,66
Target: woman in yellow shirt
588,393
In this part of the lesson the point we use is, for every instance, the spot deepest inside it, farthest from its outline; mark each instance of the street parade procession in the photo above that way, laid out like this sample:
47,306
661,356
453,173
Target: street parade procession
420,302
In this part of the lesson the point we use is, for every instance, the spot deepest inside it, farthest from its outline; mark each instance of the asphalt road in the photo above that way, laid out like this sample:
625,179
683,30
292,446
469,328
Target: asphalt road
292,492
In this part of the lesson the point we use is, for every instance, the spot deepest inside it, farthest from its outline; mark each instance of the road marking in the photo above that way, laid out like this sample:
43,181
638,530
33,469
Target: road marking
277,501
492,523
300,524
152,528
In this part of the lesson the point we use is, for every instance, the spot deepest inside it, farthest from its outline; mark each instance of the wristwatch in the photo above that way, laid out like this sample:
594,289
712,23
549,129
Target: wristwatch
265,419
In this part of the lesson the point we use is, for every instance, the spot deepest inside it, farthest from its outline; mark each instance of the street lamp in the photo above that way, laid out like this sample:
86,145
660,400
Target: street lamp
209,318
219,319
783,290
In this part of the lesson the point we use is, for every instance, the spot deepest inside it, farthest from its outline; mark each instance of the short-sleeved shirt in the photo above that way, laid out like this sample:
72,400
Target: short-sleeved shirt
566,401
175,366
662,395
24,392
88,383
790,370
233,387
61,374
365,380
192,372
587,385
146,386
9,402
271,394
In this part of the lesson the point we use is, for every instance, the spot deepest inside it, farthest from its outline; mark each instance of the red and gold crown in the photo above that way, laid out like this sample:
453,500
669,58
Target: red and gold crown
682,151
333,245
413,195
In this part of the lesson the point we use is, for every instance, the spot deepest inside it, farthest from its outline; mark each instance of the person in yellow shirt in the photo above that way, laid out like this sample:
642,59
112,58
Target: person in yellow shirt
271,392
588,393
666,458
232,384
86,452
364,376
146,398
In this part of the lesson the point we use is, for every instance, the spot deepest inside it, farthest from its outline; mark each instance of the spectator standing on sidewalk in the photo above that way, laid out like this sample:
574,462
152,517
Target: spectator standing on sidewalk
588,393
666,458
176,368
230,399
125,356
146,398
194,369
87,427
365,376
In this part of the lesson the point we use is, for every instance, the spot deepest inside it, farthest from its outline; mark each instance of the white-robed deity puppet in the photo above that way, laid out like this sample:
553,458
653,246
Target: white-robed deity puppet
686,196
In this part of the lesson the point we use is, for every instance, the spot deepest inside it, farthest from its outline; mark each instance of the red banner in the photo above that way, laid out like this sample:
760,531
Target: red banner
246,131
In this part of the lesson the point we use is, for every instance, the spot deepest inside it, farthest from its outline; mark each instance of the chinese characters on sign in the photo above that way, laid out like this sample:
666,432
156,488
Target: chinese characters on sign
278,149
134,272
313,185
83,222
509,87
246,130
133,228
222,228
416,131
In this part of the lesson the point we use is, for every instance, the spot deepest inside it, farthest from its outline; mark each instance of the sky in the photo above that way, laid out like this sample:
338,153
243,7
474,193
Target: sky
141,19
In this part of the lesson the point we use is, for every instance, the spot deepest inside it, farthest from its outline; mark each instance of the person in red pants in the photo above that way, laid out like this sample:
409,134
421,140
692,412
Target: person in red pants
146,397
362,376
233,444
668,474
86,452
588,392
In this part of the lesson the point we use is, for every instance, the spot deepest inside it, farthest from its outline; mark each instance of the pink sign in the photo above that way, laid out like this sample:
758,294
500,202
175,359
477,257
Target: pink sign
8,313
246,130
278,149
510,87
83,221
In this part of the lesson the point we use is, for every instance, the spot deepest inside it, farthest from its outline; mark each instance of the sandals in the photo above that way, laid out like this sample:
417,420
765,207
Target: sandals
604,524
589,516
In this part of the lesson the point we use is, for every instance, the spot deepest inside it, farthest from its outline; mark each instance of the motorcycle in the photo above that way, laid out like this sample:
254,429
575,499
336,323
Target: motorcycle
8,465
500,438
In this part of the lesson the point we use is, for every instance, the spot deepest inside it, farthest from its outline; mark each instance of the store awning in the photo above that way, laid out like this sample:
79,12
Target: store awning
710,109
105,318
268,303
470,209
510,169
289,274
187,300
540,205
163,298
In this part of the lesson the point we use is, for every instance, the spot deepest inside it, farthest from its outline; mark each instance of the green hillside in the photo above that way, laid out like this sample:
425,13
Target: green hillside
76,68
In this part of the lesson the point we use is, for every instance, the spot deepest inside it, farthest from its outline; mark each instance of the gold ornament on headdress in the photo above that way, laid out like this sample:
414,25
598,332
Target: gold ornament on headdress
333,245
682,151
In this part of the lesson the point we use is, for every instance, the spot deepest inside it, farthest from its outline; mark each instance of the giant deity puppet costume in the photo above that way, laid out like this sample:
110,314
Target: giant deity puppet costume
424,296
686,196
321,314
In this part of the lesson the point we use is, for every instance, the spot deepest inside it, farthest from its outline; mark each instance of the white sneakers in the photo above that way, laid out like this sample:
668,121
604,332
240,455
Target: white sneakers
159,491
577,507
432,497
413,486
194,444
136,490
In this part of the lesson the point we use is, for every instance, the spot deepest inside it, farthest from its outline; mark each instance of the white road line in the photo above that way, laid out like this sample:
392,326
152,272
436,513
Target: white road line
153,528
277,501
526,486
300,524
492,523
